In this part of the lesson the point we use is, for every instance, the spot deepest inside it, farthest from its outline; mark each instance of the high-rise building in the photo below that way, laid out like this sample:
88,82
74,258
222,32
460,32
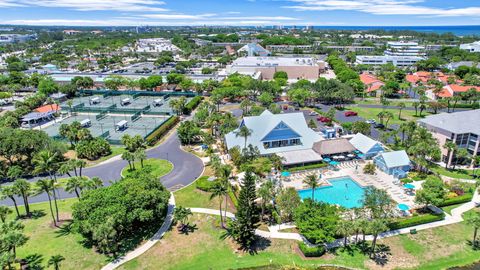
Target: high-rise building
395,48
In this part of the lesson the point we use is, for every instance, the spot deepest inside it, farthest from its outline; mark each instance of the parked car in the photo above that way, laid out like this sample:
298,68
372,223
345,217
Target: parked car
324,119
379,125
371,121
313,113
350,113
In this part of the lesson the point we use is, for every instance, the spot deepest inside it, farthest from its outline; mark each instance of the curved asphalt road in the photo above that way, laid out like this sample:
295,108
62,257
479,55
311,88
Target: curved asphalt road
186,168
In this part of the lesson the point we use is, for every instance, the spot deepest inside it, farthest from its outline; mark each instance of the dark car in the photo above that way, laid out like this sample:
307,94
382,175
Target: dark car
350,113
381,126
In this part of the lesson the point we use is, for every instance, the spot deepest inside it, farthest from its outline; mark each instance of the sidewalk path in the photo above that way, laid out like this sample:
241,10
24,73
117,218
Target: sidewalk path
273,232
152,241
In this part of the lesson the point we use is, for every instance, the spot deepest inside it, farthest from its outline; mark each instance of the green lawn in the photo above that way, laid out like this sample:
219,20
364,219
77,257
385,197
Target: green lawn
205,249
457,173
190,196
371,113
46,240
158,167
448,209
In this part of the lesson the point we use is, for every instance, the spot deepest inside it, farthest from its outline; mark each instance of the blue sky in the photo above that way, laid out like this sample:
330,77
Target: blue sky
240,12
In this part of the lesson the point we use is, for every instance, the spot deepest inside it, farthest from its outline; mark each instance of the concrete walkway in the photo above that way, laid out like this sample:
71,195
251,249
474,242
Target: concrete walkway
274,233
150,242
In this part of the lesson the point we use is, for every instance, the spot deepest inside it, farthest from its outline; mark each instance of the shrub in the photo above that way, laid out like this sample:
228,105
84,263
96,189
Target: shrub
160,131
457,200
204,184
192,104
93,149
308,167
311,251
117,217
415,220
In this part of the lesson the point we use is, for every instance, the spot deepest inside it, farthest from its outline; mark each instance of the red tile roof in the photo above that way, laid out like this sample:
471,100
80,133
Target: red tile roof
371,82
47,108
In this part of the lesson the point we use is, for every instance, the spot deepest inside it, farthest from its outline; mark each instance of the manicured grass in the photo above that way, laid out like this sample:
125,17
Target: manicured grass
46,240
205,249
158,167
448,209
457,173
190,196
371,113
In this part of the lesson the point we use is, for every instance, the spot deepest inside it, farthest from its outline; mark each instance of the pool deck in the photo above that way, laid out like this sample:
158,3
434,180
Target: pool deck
380,180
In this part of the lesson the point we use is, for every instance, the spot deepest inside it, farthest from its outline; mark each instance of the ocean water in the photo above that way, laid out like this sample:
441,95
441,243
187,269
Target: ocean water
459,30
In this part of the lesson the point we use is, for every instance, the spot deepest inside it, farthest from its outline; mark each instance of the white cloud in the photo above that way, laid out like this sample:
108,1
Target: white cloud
9,3
89,5
383,7
177,16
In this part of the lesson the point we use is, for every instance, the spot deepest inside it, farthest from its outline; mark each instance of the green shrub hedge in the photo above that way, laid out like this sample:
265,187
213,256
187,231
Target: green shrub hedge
457,200
204,184
415,220
162,130
311,251
307,167
192,104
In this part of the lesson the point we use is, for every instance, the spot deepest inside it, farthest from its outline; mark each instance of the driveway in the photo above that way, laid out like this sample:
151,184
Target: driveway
186,168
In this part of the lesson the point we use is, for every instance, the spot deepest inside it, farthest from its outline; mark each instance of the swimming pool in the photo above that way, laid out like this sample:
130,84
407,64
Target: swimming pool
343,191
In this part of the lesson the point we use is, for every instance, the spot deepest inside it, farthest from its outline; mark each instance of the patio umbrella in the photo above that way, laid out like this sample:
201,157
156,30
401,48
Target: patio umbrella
403,207
356,152
409,186
350,155
333,163
327,159
285,174
361,155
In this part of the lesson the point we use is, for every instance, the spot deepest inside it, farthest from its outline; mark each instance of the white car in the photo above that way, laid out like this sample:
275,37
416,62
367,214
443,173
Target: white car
313,113
371,121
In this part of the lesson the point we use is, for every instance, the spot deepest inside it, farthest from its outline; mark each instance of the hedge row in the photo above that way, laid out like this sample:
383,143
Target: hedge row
204,184
192,104
311,251
415,220
467,197
308,167
162,130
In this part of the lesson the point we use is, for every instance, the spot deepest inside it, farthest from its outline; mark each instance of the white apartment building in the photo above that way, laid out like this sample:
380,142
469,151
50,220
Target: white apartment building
377,60
471,47
405,49
154,45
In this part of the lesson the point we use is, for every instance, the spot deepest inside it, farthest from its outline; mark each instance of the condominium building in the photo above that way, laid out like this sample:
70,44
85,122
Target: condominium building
296,67
471,47
289,48
405,49
462,128
377,60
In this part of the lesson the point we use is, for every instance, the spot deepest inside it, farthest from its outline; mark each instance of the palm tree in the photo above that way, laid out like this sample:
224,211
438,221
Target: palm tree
219,191
4,211
10,192
344,228
140,155
181,214
451,147
401,106
474,221
13,236
377,226
46,162
244,132
364,226
265,192
130,158
74,184
55,261
46,185
23,189
93,183
312,182
80,164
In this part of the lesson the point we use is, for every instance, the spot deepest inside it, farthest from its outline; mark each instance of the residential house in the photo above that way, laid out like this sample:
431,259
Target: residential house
372,84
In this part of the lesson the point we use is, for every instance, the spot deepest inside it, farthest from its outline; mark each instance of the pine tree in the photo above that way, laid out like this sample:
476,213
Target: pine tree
247,217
